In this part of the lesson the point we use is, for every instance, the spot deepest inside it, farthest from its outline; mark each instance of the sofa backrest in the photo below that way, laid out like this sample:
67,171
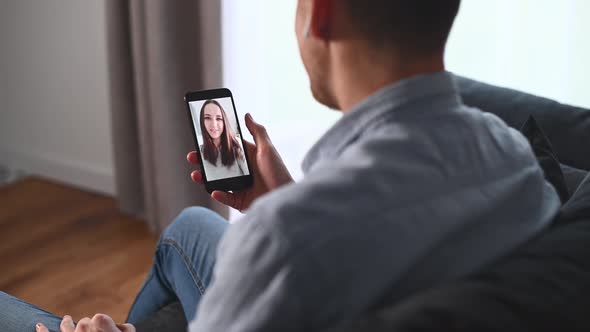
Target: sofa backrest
567,127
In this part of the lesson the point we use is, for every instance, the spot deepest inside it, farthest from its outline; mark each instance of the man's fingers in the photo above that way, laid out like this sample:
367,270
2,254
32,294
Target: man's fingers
251,148
250,145
67,324
41,328
257,130
193,158
197,177
84,325
102,322
225,198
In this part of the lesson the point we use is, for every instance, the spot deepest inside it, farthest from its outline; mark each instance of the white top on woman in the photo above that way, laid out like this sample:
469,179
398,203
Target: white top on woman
218,171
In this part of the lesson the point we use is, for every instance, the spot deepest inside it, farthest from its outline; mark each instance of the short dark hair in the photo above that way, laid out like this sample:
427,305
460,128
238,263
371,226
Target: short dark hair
416,26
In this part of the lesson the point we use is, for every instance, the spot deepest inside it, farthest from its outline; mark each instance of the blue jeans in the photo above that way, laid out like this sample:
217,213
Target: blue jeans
182,270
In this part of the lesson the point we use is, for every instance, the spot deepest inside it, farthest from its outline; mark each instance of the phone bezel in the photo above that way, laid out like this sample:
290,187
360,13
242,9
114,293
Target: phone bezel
233,184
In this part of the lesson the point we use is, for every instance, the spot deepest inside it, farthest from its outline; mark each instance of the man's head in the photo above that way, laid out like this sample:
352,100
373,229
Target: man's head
336,34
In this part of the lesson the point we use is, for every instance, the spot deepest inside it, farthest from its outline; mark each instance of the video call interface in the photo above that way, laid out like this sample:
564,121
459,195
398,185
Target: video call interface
220,142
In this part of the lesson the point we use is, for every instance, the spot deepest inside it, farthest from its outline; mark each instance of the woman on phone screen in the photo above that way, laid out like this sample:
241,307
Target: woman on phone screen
223,156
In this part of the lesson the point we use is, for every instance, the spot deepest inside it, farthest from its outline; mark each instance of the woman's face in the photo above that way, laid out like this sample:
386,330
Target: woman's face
213,120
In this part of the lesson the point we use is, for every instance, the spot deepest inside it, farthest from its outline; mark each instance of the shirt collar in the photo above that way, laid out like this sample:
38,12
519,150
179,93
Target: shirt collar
391,98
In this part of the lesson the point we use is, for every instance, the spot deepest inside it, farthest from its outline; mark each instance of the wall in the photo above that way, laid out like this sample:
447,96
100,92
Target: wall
54,107
539,46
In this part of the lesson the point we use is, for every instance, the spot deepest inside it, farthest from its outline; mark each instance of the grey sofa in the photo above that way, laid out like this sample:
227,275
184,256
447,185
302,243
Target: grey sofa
542,286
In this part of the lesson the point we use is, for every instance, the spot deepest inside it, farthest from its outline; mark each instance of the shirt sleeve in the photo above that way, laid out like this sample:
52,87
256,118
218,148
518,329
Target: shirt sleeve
251,289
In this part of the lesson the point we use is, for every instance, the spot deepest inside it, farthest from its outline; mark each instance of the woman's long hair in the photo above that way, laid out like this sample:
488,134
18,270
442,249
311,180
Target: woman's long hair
230,148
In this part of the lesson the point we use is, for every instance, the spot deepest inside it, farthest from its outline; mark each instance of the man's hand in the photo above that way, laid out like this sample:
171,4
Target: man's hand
98,323
267,168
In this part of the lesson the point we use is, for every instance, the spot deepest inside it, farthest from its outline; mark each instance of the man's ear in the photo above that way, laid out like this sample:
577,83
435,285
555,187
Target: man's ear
321,19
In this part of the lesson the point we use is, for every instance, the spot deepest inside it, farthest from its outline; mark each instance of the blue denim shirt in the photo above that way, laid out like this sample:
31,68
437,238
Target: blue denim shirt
408,190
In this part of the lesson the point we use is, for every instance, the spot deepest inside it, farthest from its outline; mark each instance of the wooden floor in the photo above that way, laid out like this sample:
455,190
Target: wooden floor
70,251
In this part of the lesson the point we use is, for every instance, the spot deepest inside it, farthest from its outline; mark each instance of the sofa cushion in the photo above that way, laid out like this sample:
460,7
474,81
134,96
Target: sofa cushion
546,157
567,127
573,177
542,286
578,207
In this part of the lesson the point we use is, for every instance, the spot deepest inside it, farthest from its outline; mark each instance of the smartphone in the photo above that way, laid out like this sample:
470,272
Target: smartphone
218,140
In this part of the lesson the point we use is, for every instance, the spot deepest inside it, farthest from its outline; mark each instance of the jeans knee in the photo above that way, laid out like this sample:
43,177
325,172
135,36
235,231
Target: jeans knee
193,221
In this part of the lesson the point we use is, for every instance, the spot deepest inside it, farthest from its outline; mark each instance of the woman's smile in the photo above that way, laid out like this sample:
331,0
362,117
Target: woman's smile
213,119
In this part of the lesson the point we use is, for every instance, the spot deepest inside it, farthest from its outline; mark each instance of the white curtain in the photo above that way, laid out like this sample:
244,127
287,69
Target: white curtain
158,51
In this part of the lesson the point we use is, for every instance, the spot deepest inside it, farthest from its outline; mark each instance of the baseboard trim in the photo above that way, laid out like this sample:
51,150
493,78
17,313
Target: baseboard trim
85,176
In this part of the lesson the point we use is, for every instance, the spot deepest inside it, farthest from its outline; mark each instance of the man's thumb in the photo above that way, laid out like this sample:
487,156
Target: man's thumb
257,130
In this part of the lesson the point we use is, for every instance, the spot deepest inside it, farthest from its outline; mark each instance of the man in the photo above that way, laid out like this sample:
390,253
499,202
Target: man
409,189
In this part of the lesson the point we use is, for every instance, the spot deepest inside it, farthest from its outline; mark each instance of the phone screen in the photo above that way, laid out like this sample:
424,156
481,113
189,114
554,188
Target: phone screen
219,138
